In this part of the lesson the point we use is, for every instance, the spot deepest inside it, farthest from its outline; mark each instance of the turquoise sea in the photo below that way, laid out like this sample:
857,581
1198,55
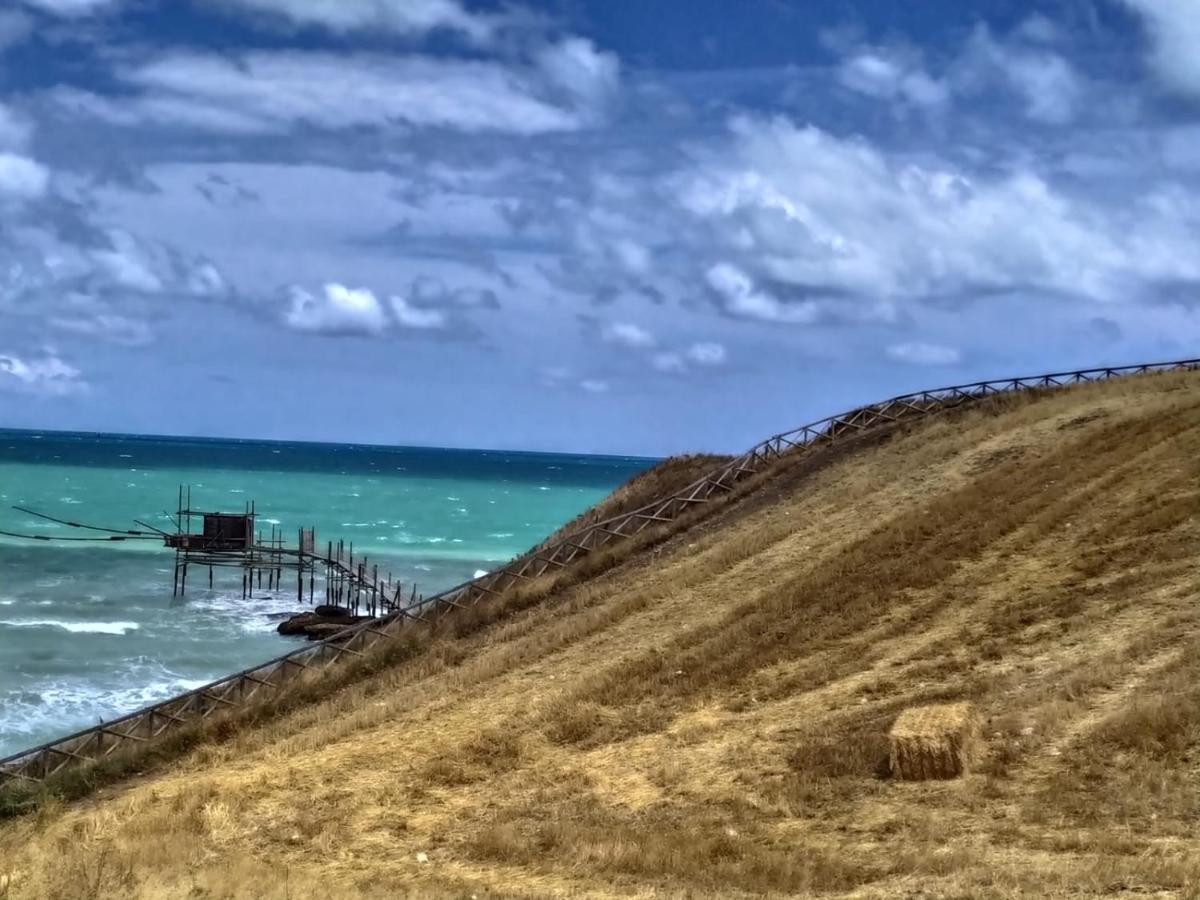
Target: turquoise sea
90,630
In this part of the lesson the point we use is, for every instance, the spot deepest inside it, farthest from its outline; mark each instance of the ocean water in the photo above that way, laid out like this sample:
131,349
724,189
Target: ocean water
89,631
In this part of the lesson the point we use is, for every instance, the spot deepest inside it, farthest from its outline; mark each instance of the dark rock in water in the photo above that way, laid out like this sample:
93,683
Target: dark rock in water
331,612
297,623
315,626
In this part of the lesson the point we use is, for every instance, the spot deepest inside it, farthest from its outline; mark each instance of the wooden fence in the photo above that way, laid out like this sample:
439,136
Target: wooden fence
272,678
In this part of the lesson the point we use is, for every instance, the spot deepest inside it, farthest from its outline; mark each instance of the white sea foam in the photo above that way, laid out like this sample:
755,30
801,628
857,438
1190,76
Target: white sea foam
259,616
479,573
74,627
64,704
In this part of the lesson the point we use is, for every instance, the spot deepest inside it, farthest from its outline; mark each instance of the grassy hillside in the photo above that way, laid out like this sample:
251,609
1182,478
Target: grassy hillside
664,478
708,718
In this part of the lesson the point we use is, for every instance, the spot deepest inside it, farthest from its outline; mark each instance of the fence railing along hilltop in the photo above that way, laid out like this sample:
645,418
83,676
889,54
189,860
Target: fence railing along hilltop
273,676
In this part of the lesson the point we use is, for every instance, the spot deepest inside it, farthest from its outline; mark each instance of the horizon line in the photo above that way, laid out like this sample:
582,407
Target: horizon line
4,429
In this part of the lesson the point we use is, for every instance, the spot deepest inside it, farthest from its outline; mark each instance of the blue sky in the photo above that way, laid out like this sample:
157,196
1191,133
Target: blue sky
640,226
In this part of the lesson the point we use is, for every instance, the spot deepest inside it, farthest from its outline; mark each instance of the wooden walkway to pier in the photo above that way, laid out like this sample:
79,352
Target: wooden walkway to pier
272,677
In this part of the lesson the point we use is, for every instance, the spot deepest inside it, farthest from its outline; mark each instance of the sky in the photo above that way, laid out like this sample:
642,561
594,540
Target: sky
613,226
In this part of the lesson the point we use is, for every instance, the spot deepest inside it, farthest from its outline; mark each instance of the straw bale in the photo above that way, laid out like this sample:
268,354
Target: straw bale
940,741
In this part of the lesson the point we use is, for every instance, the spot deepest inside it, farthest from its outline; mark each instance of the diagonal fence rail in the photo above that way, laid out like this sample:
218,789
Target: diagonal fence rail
272,677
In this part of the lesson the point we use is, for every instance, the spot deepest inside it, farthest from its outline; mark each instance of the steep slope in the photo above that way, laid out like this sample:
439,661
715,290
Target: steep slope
708,718
664,478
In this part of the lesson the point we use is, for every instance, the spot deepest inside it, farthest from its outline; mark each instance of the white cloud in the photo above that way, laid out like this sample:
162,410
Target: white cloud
634,258
707,353
431,292
1039,28
129,264
740,297
117,329
1021,62
414,317
47,375
587,76
340,310
22,178
849,230
627,334
70,8
669,361
1048,84
406,17
204,280
159,107
15,129
921,354
870,73
273,92
336,310
885,75
1174,30
594,385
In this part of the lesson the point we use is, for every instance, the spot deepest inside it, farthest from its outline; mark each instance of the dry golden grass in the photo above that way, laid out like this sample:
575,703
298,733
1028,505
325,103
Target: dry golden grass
664,478
709,717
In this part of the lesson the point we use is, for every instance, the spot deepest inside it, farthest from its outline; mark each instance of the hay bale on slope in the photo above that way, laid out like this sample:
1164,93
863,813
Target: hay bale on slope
941,741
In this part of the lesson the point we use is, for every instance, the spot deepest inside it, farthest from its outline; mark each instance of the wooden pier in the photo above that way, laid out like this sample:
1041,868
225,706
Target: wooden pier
231,540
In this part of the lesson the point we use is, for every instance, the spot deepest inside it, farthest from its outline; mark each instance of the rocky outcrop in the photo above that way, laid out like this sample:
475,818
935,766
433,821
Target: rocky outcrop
321,623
